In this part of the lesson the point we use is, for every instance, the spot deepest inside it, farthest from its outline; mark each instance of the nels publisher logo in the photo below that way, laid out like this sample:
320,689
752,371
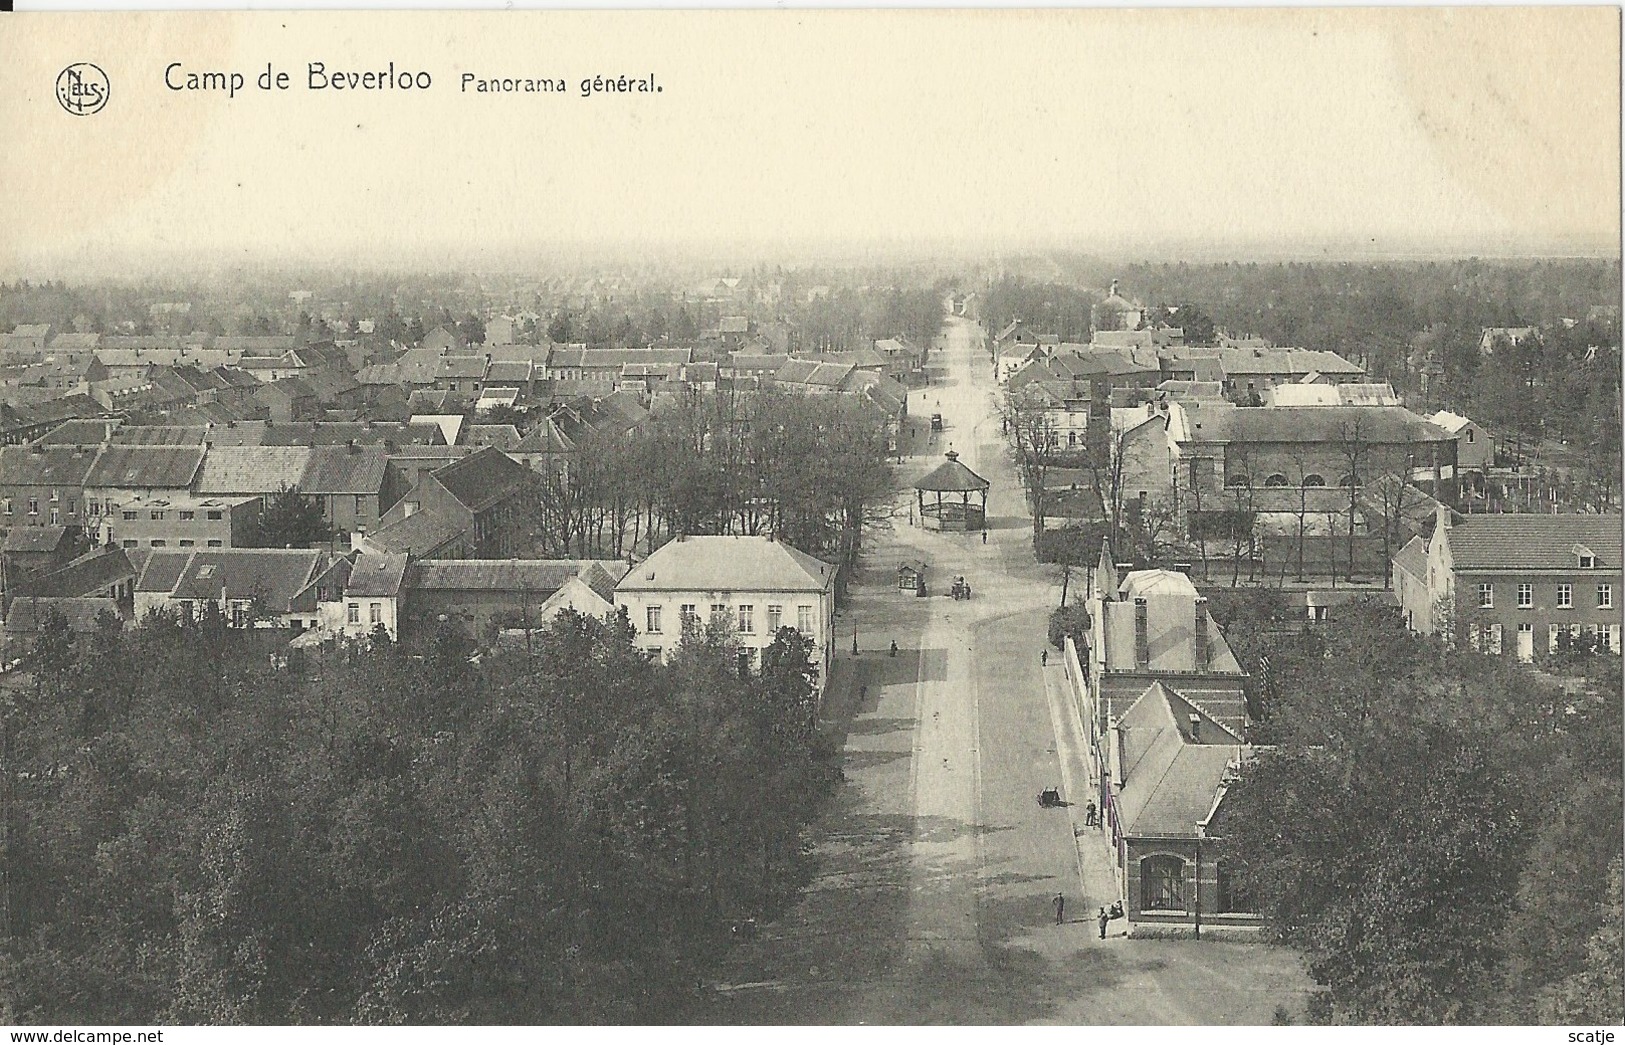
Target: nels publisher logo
82,89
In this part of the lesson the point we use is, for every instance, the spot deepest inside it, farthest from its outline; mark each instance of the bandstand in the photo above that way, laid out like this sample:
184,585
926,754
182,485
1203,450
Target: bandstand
946,512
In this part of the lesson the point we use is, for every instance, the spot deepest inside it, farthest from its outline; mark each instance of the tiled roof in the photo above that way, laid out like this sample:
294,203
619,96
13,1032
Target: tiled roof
63,466
1317,424
1452,423
92,572
376,575
728,563
146,467
275,575
74,342
1284,361
32,539
461,368
501,372
344,470
1505,543
750,361
542,576
252,469
160,435
79,432
503,437
544,438
1170,782
161,571
421,533
28,613
484,478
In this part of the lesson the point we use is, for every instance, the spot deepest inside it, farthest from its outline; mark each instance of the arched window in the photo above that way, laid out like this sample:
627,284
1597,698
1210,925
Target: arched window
1314,479
1238,479
1162,883
1349,480
1275,479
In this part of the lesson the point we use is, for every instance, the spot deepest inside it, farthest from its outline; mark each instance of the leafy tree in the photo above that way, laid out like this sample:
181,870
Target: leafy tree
291,520
1069,622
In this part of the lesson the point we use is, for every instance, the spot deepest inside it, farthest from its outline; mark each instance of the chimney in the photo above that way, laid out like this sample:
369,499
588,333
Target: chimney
1200,652
1196,728
1142,635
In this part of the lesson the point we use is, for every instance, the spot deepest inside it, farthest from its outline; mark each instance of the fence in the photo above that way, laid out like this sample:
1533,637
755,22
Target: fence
1272,559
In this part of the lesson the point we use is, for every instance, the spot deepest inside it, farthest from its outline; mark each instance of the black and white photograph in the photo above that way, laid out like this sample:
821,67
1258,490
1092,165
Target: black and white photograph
963,518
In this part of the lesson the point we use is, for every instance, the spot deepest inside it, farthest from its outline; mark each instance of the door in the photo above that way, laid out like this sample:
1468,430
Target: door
1526,642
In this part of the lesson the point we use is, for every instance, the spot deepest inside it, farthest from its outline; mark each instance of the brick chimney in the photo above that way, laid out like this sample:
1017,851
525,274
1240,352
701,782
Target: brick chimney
1142,634
1200,653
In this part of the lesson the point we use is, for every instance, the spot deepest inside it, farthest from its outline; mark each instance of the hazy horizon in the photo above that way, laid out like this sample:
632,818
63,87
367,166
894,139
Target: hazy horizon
1335,134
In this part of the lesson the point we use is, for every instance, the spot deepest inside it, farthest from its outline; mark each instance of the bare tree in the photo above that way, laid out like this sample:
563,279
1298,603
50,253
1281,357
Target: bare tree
1032,434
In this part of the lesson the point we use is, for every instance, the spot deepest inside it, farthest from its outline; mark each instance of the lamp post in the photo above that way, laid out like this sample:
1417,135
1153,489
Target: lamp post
854,638
1196,884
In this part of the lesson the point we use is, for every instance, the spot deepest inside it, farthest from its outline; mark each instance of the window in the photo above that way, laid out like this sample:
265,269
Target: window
1588,562
157,516
216,516
747,618
804,620
353,613
1473,637
1349,480
188,516
1605,596
159,542
70,506
128,516
1314,479
92,507
1275,479
375,612
1162,883
651,618
1552,633
33,506
361,504
127,544
1565,596
188,544
216,544
719,613
1239,479
1486,596
746,659
775,619
1233,897
653,652
7,505
1470,435
1526,596
1495,638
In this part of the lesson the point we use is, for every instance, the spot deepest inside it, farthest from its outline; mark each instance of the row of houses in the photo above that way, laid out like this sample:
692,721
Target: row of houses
751,586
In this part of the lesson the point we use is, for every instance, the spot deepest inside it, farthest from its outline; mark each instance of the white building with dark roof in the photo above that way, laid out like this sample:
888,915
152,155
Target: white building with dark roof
755,585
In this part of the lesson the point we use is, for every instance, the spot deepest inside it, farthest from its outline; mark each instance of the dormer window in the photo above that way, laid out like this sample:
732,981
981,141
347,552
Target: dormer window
1586,557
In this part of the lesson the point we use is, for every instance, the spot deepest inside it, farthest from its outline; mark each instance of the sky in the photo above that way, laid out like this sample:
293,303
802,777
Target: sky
1165,133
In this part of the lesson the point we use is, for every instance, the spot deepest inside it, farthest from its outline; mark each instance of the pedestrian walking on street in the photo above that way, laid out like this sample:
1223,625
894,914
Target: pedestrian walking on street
1104,918
1060,908
984,536
1043,659
1090,816
894,647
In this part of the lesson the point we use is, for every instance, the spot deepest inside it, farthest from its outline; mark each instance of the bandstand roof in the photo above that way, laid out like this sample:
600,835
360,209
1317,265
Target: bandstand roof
950,475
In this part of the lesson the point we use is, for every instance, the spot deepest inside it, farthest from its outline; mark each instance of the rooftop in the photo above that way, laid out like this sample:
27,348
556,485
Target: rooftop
728,563
1504,543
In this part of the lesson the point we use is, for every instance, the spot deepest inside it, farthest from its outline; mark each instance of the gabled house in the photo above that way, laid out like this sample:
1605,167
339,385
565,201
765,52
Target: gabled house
755,585
1169,765
487,495
251,587
1151,626
1516,584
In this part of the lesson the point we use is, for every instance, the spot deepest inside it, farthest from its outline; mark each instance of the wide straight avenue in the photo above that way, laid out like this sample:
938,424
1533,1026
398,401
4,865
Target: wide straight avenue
937,869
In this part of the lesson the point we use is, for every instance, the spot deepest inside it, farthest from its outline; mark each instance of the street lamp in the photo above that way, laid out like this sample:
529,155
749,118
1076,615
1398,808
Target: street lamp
1196,884
854,638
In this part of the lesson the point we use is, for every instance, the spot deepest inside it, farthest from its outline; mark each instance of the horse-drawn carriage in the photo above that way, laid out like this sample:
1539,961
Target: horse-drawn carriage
960,589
